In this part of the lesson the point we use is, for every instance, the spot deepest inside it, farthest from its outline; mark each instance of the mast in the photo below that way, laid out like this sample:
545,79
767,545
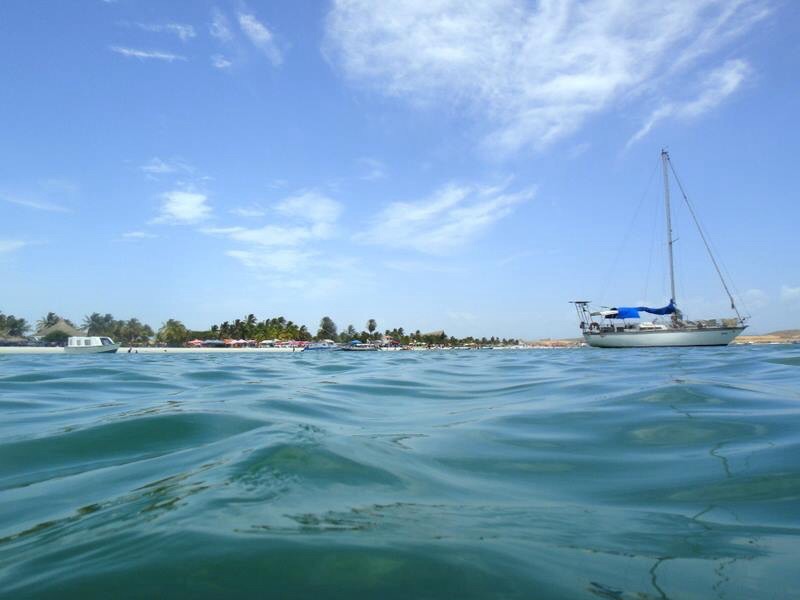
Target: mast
665,164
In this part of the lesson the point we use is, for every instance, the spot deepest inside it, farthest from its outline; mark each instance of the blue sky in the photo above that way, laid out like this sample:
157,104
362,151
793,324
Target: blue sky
471,166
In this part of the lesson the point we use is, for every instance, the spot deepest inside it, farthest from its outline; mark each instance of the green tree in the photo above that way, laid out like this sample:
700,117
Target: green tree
97,324
327,329
132,332
56,337
303,334
372,325
51,319
173,333
12,326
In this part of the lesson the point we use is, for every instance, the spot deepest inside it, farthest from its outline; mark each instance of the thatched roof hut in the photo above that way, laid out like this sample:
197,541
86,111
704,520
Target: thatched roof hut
60,326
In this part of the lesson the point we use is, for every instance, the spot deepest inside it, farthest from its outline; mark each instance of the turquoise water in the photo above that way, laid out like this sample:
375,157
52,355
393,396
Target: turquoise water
631,474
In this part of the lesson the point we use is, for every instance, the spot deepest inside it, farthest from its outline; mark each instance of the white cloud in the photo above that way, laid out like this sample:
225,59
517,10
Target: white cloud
158,166
790,295
285,253
261,37
59,186
138,235
34,203
184,32
309,215
578,150
180,206
452,217
507,260
220,27
249,211
311,206
147,54
218,61
418,266
11,245
532,72
372,168
285,260
277,184
720,84
269,235
755,298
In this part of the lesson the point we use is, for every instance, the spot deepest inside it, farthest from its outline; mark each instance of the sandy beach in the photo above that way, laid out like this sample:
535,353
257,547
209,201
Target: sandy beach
48,350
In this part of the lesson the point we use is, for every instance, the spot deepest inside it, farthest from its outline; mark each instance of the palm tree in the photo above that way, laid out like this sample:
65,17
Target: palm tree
132,331
12,326
327,329
48,320
249,325
237,329
372,325
173,333
97,324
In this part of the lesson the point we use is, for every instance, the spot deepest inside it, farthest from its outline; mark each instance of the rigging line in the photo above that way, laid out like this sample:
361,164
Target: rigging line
628,231
705,241
737,293
650,254
735,289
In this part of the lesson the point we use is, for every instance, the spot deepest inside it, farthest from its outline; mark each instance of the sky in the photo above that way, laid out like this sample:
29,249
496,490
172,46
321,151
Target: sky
469,166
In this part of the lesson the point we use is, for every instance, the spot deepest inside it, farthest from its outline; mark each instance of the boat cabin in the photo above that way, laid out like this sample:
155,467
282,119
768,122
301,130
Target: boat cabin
89,341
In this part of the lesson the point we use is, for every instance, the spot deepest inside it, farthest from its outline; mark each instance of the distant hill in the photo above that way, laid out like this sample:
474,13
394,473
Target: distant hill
785,335
790,333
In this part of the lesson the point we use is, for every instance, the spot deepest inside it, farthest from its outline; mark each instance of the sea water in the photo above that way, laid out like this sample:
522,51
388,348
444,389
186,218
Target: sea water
584,473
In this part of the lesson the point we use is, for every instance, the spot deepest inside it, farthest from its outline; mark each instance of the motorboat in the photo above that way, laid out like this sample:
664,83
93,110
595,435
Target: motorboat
90,345
358,346
321,346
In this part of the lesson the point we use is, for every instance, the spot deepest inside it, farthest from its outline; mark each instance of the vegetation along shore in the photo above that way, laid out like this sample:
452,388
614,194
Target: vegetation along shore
53,330
267,335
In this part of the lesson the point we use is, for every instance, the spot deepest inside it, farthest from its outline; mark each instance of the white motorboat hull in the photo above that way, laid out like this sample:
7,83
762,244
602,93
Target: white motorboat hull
358,349
106,349
717,336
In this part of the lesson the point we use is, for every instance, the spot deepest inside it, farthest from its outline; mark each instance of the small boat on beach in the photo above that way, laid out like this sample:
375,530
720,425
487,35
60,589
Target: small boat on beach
357,346
90,345
619,327
324,345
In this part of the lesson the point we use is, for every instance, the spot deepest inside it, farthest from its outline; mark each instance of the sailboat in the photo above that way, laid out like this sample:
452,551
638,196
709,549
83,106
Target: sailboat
621,327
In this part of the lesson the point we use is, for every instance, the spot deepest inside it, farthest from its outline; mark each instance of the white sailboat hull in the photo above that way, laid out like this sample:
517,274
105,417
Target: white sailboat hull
717,336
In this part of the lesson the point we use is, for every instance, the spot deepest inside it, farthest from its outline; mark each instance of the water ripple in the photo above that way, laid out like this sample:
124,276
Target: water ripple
553,474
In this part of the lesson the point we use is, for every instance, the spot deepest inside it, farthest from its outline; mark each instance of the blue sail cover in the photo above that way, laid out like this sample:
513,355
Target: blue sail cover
632,312
664,310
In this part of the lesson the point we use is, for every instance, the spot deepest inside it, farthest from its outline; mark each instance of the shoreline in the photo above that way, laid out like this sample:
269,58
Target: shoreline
146,350
124,350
